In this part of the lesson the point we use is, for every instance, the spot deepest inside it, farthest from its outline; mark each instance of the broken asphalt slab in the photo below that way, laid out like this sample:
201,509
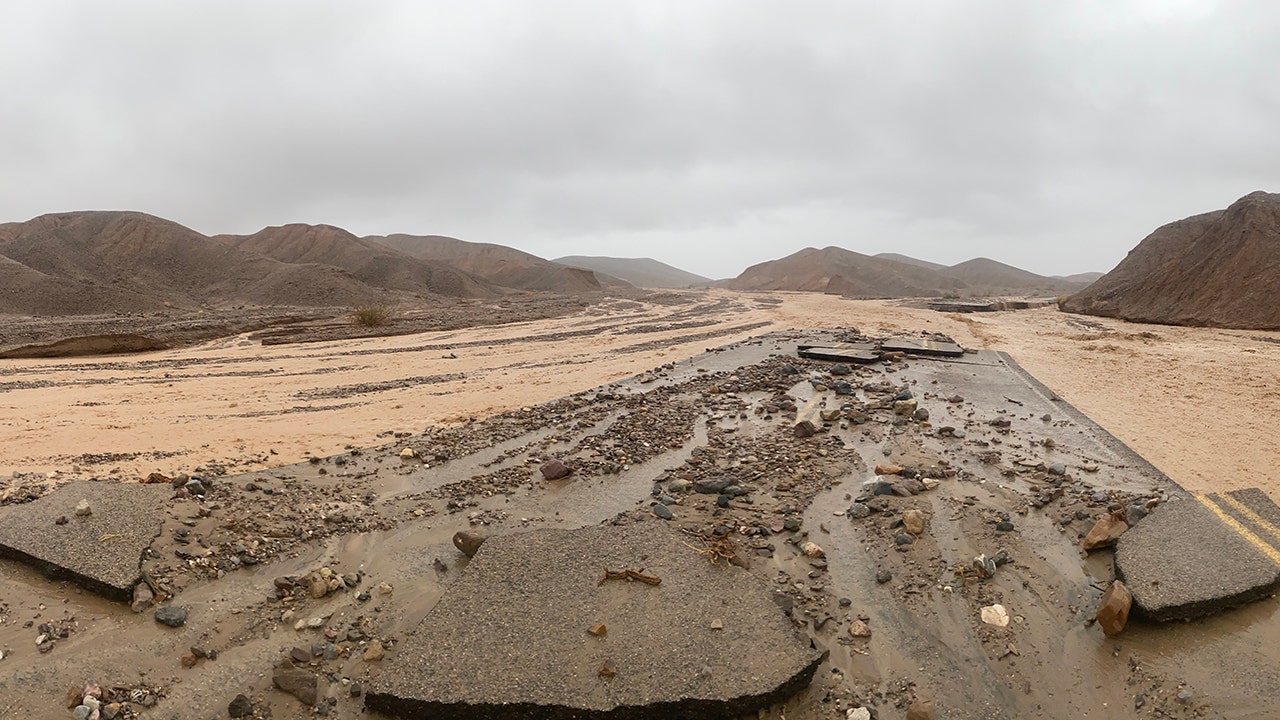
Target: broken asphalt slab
101,551
922,346
511,638
1201,555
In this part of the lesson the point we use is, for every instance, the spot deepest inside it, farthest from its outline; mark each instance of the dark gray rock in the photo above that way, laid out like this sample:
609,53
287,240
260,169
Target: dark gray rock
1133,514
841,369
240,707
712,486
297,682
540,590
858,511
172,615
1057,469
554,469
663,511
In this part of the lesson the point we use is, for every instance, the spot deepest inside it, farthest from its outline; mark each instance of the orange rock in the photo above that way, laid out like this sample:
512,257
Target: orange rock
1105,532
1113,609
888,469
920,710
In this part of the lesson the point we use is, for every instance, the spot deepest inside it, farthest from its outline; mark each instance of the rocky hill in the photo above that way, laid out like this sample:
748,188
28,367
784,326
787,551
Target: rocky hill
998,278
844,272
103,262
908,260
1219,269
371,262
840,271
497,264
640,272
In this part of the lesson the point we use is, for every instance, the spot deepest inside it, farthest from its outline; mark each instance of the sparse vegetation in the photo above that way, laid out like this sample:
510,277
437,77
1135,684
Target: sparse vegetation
372,315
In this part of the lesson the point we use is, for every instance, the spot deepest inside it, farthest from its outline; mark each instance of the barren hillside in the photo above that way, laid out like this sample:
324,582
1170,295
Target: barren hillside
498,264
368,261
641,272
104,262
1219,269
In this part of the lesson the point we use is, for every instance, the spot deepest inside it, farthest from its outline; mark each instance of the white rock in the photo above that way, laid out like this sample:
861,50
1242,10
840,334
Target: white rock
407,454
995,615
857,714
812,550
82,508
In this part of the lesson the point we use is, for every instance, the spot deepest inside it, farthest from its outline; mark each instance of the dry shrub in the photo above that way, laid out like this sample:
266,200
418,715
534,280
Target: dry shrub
372,315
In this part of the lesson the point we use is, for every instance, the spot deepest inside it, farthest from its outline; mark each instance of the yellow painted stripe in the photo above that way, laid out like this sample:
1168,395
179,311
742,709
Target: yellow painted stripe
1252,516
1241,530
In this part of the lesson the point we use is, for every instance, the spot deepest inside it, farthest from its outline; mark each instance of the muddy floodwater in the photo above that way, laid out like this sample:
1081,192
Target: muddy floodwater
303,447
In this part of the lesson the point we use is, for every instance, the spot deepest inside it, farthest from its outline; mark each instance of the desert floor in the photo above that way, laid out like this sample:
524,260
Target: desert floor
1199,403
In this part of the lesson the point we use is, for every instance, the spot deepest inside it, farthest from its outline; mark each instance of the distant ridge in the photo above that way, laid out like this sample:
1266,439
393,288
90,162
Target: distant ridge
908,260
641,272
367,261
840,271
844,272
109,261
497,264
1218,269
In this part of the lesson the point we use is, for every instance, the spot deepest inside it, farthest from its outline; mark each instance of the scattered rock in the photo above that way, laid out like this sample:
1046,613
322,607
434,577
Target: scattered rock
171,615
608,669
903,539
920,710
913,521
142,597
1004,526
858,713
599,630
859,629
888,469
921,414
374,652
995,615
812,550
1113,609
841,369
905,407
1057,469
1185,696
554,469
1134,513
467,543
1105,532
663,511
298,683
408,454
712,486
83,509
883,576
240,707
858,511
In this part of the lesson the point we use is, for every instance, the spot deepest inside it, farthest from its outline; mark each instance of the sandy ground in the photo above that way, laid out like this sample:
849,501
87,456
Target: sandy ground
1198,403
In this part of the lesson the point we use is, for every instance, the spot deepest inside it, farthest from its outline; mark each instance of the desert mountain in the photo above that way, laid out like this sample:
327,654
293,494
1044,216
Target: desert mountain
836,270
104,262
1084,278
641,272
999,277
1218,269
844,272
908,260
370,262
497,264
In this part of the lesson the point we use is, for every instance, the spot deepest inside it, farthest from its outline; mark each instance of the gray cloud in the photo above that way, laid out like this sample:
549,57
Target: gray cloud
711,135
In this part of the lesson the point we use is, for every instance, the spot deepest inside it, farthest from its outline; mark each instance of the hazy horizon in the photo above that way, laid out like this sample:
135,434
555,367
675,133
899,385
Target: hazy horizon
709,136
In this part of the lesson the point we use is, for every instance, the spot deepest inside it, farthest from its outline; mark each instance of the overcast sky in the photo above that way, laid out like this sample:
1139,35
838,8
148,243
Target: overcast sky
710,135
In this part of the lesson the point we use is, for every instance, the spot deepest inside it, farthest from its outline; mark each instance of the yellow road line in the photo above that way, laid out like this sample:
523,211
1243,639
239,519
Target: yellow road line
1241,530
1252,516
